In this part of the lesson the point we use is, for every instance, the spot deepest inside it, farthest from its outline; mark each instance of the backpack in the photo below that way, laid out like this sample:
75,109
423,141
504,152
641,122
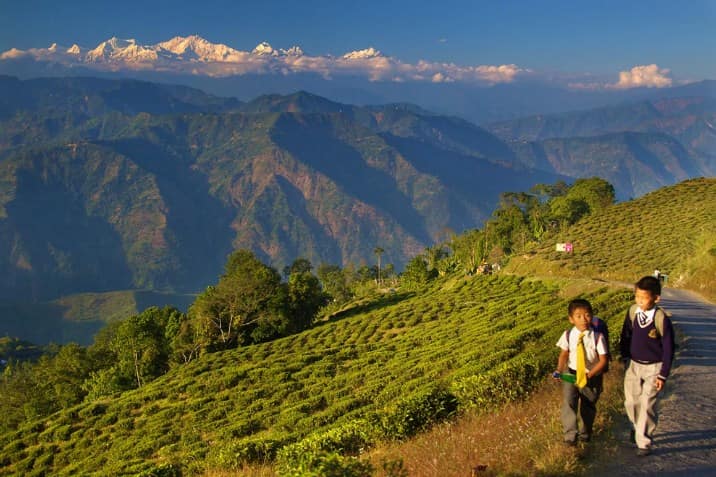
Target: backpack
599,327
658,318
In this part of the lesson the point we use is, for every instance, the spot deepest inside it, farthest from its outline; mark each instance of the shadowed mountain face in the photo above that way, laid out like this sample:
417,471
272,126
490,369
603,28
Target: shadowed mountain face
637,147
125,184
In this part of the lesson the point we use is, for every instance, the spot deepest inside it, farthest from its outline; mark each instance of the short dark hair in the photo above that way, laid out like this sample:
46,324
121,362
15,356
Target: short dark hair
650,284
579,303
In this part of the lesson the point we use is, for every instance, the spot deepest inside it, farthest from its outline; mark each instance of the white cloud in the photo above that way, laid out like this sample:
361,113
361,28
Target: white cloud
645,76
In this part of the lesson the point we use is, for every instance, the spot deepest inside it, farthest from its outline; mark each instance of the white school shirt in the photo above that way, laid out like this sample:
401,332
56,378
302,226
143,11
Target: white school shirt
590,349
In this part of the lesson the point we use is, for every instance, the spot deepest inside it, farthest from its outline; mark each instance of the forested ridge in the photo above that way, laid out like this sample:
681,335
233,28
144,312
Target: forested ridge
307,369
159,183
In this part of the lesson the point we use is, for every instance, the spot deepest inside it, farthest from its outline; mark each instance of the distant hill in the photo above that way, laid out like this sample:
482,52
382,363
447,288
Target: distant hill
656,159
77,318
656,140
102,193
672,229
95,96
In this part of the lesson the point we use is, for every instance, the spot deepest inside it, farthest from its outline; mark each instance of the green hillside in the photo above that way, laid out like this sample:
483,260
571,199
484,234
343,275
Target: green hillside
672,229
384,370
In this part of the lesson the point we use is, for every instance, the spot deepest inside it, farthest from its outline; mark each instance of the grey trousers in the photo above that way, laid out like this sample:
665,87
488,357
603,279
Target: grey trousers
640,400
583,402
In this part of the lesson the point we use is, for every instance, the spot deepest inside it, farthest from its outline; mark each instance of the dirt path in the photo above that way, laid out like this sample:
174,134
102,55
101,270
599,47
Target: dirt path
685,440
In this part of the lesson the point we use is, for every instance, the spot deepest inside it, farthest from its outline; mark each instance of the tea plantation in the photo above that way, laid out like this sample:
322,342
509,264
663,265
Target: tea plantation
382,371
672,229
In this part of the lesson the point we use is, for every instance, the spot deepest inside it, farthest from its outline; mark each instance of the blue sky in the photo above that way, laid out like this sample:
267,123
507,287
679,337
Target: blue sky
559,37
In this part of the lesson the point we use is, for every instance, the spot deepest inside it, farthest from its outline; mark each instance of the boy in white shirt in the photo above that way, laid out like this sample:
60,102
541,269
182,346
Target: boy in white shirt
583,355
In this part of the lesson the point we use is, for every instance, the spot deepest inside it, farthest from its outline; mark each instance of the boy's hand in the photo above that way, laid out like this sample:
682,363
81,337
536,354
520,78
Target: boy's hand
659,384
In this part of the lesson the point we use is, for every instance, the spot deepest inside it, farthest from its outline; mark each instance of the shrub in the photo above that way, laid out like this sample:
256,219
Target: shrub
416,413
324,464
350,438
507,382
234,454
163,470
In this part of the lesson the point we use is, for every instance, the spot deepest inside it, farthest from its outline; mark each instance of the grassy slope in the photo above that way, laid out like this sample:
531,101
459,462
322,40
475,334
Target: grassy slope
463,334
672,229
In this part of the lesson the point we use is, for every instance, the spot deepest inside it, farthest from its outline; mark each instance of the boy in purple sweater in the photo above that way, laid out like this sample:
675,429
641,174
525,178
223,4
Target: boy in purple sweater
647,347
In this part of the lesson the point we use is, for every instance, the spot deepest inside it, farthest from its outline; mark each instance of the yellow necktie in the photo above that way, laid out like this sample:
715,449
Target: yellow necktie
581,362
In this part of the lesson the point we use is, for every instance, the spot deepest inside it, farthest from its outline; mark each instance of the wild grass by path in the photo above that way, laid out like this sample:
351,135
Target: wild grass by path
521,439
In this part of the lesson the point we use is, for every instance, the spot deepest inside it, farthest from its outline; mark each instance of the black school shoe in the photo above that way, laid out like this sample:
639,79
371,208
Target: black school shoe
643,452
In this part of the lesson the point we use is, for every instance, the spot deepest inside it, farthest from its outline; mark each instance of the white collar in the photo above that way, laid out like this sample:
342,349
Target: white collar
648,317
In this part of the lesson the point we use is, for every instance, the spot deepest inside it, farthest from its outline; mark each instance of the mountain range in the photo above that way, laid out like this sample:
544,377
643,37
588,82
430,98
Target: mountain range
125,184
158,184
479,94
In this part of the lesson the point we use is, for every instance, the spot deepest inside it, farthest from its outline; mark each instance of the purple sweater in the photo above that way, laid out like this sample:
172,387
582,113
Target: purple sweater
644,345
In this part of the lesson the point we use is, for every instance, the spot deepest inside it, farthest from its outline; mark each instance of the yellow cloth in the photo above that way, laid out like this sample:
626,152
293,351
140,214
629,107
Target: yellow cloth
581,362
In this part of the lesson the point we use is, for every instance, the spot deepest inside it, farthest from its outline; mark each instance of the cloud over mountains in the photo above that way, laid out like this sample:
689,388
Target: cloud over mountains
196,56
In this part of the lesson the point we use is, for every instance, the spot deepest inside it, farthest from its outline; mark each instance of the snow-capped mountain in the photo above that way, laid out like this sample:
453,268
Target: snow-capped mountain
197,48
122,52
196,57
192,54
265,49
363,54
119,50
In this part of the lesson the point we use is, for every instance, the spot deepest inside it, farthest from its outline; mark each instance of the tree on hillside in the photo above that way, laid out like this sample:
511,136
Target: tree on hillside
33,390
141,345
248,296
595,192
16,388
378,251
509,226
417,274
470,249
300,265
567,210
334,282
305,298
434,254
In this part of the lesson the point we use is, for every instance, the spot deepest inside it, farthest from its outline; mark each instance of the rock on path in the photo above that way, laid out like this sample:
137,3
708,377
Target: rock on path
685,439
